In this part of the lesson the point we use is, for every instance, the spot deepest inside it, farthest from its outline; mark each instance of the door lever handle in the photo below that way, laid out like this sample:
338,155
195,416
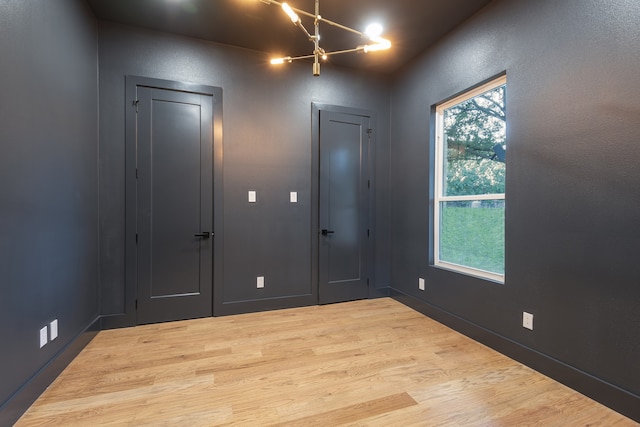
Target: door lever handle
326,232
204,235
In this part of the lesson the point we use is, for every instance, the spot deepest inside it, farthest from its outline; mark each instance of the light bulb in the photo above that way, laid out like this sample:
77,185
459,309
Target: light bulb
294,17
278,61
381,44
373,30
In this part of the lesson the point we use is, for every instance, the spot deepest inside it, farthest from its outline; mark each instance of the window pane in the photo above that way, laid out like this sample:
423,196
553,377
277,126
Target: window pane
474,145
472,234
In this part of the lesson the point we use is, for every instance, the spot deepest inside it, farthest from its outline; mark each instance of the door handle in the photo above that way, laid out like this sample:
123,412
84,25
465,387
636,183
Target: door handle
326,232
204,235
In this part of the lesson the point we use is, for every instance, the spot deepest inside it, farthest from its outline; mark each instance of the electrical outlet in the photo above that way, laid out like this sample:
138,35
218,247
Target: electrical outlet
53,330
253,196
293,197
260,282
421,284
44,336
527,320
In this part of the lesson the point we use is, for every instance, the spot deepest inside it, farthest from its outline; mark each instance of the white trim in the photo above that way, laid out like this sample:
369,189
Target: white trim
499,81
476,272
471,198
439,184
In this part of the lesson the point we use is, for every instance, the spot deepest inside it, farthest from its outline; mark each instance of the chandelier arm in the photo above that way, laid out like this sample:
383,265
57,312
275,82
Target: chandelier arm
294,58
302,12
335,52
295,9
339,52
304,30
343,27
320,18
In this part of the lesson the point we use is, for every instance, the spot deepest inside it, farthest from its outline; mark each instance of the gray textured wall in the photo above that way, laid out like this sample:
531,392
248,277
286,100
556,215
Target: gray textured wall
48,181
267,148
573,199
572,182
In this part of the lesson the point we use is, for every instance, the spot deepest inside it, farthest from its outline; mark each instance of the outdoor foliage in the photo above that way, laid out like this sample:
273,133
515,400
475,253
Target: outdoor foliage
472,231
481,176
475,132
473,236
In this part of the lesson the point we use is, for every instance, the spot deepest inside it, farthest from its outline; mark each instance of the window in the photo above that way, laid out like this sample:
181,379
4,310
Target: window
469,201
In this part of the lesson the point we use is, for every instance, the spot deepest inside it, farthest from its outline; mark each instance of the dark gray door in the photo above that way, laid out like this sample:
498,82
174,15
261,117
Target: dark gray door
344,207
174,205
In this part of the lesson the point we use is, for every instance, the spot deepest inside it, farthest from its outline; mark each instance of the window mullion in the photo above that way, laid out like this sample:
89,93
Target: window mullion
472,197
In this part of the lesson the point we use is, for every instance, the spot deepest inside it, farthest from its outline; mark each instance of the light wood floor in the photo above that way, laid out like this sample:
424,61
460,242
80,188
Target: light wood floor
365,363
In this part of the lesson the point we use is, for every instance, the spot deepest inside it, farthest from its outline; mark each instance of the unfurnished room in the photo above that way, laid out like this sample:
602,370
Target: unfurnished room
320,212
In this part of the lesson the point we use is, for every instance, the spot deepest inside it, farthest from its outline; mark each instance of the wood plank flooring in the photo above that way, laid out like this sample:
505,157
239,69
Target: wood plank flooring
363,363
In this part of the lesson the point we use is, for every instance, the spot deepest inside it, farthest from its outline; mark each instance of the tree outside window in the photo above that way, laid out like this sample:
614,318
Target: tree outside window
470,182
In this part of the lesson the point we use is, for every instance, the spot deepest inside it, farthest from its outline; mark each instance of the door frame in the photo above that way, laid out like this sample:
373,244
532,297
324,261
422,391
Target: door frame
128,316
316,109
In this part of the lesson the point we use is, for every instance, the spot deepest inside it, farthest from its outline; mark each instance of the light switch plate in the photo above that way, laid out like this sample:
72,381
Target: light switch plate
260,282
43,337
252,196
53,330
421,284
293,197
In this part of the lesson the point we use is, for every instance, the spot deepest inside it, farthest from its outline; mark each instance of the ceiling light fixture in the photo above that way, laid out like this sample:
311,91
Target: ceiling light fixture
372,35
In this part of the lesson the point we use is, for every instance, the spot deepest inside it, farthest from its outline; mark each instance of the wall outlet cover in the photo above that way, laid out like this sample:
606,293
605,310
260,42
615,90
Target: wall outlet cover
253,197
260,282
421,284
527,320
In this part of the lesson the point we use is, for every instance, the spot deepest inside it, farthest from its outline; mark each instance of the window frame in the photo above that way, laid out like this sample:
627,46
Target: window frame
439,198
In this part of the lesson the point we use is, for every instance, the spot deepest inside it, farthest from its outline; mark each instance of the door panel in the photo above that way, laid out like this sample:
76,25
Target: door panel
344,207
174,205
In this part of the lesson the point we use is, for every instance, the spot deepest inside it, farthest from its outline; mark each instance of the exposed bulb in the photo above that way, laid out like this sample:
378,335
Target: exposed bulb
373,30
380,44
278,61
294,16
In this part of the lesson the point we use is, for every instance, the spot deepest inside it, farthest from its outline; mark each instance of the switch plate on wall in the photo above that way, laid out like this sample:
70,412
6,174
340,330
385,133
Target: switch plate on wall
53,330
44,336
260,282
527,320
252,196
293,197
421,284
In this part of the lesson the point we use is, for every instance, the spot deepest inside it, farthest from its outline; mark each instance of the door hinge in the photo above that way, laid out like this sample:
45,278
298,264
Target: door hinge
367,232
368,183
136,304
136,237
367,280
136,173
135,104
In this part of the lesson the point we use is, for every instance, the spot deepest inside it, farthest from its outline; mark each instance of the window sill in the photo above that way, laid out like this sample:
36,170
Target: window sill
473,272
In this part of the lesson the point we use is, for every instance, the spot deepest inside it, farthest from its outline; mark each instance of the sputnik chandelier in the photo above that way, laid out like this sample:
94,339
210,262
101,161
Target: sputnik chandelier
371,34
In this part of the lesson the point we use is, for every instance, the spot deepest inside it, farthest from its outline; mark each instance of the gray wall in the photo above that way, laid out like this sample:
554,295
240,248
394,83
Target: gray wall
572,181
267,147
573,186
48,181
